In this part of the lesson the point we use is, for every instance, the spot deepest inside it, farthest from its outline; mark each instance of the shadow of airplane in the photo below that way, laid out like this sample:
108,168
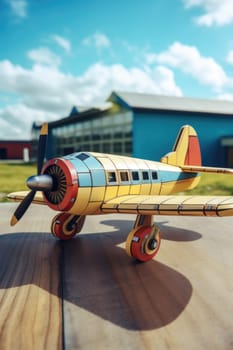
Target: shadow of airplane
170,233
90,272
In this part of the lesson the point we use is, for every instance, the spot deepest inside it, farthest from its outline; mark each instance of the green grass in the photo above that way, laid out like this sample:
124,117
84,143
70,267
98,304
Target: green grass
13,177
214,184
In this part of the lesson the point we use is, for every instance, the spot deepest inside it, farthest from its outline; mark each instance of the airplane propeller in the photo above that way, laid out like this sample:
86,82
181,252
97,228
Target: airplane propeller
38,182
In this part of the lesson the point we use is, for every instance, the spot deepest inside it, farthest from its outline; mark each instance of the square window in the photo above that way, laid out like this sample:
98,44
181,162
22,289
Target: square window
145,175
124,176
111,176
154,175
135,175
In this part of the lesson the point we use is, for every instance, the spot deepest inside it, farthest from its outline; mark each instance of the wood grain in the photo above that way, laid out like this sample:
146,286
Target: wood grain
30,303
88,294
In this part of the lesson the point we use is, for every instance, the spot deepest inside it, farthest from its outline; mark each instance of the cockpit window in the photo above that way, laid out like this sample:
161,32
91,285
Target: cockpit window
82,156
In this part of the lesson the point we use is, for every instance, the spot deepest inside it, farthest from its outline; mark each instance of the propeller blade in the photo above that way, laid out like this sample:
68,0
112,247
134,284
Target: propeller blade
36,183
23,206
42,147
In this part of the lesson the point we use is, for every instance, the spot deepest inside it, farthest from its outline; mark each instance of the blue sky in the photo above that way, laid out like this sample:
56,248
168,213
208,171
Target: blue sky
55,54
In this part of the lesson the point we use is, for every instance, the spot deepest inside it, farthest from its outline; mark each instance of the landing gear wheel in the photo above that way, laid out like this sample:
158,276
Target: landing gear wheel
145,243
65,226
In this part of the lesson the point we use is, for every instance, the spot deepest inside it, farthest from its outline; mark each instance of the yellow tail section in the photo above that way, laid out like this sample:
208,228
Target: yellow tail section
186,150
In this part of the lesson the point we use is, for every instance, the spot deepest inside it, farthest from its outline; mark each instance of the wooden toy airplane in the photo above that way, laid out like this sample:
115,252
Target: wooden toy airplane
87,183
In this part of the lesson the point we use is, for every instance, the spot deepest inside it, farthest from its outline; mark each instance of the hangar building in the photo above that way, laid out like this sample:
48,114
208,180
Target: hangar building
15,150
145,126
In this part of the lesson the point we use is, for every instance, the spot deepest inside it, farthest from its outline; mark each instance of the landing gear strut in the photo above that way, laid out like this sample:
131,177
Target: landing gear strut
143,241
65,226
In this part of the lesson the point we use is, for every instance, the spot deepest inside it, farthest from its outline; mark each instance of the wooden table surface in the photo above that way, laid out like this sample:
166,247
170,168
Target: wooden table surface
88,294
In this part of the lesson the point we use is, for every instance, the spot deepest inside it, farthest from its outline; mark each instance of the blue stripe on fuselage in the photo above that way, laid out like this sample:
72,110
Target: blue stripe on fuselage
90,171
168,176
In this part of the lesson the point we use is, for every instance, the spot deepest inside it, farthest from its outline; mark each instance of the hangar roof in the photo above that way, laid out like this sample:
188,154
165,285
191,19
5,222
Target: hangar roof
171,103
152,102
82,112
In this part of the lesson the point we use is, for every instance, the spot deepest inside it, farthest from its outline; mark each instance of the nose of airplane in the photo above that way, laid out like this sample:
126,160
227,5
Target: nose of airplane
58,182
40,182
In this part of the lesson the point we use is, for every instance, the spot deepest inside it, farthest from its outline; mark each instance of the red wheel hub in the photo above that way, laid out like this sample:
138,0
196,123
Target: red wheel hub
143,246
59,227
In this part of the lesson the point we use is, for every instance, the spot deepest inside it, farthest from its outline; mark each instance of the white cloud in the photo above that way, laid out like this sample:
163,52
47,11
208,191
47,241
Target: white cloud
99,80
99,40
164,78
62,42
189,60
216,12
225,97
18,7
44,92
43,55
37,85
16,121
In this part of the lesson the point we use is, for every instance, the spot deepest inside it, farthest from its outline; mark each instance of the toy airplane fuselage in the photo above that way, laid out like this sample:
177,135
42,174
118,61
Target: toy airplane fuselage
87,183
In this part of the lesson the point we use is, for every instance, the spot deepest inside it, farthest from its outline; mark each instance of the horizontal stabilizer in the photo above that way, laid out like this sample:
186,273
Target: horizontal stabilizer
205,169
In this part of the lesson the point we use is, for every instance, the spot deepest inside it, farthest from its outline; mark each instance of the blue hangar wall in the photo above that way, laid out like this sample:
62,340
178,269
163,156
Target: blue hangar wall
156,121
155,132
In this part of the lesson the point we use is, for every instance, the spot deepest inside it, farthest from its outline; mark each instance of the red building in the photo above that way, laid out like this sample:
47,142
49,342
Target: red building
15,150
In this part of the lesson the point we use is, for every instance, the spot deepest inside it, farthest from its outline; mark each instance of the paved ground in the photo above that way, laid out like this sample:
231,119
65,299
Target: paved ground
88,294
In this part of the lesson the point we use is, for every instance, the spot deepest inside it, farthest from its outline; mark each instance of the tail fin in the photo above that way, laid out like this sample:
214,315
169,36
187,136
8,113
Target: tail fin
186,150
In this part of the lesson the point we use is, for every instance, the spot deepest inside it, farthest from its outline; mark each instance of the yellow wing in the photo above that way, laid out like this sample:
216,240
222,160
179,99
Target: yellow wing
171,205
156,205
19,196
